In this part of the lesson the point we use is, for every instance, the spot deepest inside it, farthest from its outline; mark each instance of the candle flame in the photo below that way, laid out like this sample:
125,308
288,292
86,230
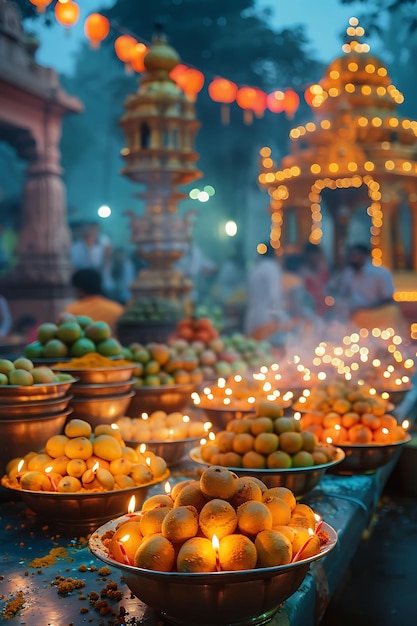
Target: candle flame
167,488
385,431
114,426
203,442
337,427
317,517
142,448
95,467
185,419
132,505
215,543
20,464
171,433
207,426
297,415
148,461
144,416
329,440
48,469
212,436
124,538
405,425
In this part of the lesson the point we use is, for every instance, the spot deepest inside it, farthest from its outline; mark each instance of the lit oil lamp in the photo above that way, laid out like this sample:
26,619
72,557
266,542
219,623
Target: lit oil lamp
216,546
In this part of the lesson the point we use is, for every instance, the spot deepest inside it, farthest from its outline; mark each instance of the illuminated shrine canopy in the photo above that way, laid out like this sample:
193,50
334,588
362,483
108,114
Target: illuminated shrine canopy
356,160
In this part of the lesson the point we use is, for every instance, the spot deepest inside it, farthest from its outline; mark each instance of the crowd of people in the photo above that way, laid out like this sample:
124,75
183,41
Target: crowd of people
280,298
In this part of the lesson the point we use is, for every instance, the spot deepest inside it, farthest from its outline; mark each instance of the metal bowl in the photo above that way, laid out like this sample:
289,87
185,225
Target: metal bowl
171,451
20,436
220,417
13,394
360,458
41,408
101,409
168,398
102,389
395,396
248,597
116,374
79,513
300,480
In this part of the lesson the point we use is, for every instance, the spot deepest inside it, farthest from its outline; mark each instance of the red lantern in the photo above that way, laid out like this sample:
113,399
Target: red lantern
291,102
251,100
275,101
224,91
41,4
138,57
193,81
125,47
177,73
96,28
67,13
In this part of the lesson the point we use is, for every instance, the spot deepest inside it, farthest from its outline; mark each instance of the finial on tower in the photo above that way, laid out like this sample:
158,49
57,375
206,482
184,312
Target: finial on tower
354,33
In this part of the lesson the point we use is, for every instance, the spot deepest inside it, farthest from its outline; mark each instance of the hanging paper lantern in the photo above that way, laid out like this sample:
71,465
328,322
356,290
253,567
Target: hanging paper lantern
138,57
40,4
251,100
223,91
124,47
178,72
96,28
67,13
192,82
275,101
291,102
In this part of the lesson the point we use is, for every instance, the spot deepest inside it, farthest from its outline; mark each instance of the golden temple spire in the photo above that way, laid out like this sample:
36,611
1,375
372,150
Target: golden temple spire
354,34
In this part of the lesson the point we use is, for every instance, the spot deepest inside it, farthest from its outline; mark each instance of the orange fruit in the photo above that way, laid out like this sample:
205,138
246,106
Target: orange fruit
273,548
217,517
253,517
262,425
243,442
360,434
290,442
266,443
218,482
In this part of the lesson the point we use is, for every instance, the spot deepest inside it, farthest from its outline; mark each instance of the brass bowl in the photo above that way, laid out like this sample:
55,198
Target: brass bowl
101,409
13,394
95,390
29,434
248,597
360,458
95,375
79,513
220,416
171,451
168,398
41,408
300,480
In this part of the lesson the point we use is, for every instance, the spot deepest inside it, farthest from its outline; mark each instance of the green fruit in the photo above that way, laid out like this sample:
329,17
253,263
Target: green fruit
46,332
55,348
151,381
82,346
21,377
34,350
43,375
63,378
302,459
127,354
68,332
141,356
3,379
98,331
6,366
83,320
23,364
151,368
279,460
109,347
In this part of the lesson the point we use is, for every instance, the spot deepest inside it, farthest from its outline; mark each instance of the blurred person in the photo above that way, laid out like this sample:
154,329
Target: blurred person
366,292
6,321
120,276
196,266
87,283
91,248
265,315
316,275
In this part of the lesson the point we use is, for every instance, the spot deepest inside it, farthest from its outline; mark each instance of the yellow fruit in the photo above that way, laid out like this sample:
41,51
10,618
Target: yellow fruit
180,524
76,467
78,448
108,429
239,426
218,482
224,440
246,489
273,548
77,428
280,511
217,517
243,442
285,494
121,466
253,460
237,552
157,501
269,409
69,484
266,443
141,474
39,461
253,517
55,446
196,555
151,520
129,536
262,425
155,553
107,447
190,494
290,442
35,481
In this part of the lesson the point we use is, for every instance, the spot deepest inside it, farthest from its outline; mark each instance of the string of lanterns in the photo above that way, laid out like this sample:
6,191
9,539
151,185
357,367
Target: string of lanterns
252,100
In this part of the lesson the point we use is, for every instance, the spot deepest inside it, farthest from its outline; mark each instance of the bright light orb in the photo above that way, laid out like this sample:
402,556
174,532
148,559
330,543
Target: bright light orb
104,211
230,228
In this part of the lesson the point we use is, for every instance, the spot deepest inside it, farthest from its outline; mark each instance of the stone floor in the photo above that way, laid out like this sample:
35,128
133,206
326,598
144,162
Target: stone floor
380,587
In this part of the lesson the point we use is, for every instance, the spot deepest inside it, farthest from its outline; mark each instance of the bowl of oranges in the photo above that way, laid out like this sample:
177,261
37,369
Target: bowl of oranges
218,550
